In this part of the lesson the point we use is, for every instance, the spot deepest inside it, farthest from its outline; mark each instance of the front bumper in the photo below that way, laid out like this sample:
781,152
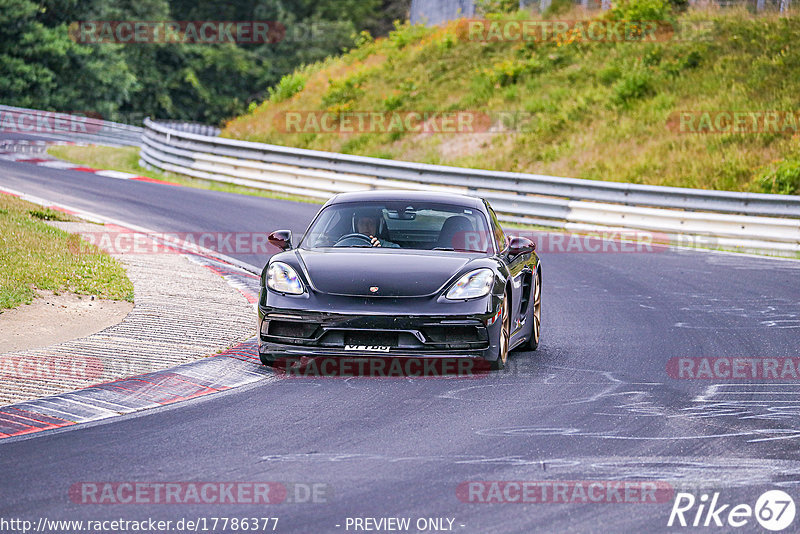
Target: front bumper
377,328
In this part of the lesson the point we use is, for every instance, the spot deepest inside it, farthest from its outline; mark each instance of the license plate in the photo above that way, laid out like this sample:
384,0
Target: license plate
367,348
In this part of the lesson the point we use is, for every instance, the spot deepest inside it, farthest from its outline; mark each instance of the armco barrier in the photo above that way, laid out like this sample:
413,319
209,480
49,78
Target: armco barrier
66,127
745,221
191,127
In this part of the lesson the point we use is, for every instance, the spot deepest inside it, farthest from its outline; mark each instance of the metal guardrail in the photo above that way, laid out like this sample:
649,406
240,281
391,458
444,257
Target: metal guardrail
734,220
66,127
192,127
432,12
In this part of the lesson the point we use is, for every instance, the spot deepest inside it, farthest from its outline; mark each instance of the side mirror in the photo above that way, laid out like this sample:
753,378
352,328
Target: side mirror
281,239
520,245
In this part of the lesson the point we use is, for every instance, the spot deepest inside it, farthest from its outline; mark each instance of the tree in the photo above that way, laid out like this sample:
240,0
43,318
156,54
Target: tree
43,68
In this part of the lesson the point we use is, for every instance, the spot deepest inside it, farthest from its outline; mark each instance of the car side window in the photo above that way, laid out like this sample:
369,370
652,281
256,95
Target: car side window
499,236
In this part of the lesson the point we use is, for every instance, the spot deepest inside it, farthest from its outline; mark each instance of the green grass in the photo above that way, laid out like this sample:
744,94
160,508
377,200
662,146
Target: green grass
36,256
595,110
126,159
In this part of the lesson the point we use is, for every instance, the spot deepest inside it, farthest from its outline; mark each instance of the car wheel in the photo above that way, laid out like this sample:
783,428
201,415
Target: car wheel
505,335
536,325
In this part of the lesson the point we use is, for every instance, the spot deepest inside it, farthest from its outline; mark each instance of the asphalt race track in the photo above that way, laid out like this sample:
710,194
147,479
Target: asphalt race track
594,403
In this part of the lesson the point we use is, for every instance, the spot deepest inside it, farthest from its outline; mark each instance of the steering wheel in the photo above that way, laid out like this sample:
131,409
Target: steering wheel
360,237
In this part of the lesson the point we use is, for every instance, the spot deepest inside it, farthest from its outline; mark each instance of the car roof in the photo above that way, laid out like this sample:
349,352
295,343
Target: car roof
411,196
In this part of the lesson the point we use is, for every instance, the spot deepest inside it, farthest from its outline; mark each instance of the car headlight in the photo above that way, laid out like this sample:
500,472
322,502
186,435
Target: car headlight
283,279
472,285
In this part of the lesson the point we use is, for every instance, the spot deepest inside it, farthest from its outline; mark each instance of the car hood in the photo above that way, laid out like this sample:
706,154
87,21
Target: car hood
352,272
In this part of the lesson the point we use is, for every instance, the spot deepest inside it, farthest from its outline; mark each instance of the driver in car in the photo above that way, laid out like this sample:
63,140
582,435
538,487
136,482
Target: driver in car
368,224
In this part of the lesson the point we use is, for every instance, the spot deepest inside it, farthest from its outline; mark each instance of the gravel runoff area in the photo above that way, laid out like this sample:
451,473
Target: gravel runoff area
182,312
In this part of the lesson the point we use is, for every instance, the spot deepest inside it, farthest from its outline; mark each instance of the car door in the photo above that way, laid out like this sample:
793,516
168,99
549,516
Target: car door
517,269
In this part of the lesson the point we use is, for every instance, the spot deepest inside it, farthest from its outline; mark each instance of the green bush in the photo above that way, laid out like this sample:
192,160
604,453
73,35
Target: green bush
653,56
783,179
634,85
609,74
290,85
446,43
642,10
687,62
405,33
691,60
509,71
362,39
393,102
558,7
484,7
342,91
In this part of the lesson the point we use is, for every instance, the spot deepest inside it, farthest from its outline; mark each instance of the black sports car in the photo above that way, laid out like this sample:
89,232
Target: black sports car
400,274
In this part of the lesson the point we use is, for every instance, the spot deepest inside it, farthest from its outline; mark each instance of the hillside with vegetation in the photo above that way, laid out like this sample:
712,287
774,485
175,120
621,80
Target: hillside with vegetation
588,109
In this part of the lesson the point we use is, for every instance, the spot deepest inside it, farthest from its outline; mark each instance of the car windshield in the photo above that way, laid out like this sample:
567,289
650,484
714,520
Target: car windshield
405,225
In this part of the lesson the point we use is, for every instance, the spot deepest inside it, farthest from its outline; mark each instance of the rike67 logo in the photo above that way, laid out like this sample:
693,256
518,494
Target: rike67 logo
774,510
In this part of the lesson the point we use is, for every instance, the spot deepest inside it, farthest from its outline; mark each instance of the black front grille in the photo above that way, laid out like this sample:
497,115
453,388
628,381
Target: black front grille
397,333
454,334
292,329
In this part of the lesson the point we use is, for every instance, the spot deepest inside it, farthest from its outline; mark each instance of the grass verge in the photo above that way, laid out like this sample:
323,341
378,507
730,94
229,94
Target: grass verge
37,256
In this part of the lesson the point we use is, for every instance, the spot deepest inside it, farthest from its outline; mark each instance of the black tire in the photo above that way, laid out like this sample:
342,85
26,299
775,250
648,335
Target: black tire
505,336
536,316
